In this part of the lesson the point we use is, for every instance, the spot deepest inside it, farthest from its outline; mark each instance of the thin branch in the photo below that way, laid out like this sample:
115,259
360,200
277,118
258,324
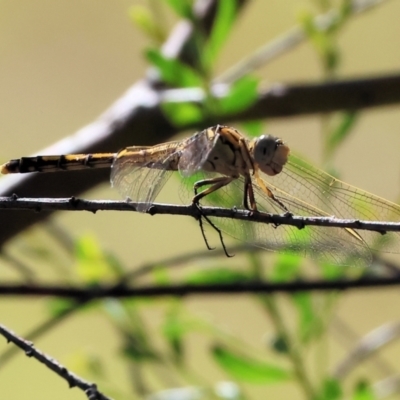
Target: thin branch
75,204
347,336
288,41
367,346
73,380
122,291
132,275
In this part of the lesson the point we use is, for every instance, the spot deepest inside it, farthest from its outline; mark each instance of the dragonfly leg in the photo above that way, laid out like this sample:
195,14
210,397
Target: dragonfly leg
269,193
249,195
221,238
216,183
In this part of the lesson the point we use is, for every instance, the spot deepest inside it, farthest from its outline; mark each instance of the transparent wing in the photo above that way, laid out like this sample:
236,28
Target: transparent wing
136,182
330,245
316,187
196,152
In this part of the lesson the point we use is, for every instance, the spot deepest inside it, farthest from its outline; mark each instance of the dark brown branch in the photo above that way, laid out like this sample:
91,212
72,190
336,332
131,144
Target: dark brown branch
73,380
348,94
122,291
75,204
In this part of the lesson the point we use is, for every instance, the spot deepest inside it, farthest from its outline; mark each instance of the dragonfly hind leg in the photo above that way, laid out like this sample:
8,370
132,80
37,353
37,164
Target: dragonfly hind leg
216,183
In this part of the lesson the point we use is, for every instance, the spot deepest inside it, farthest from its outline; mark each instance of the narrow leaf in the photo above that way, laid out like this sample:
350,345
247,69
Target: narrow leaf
331,390
245,369
217,275
91,262
286,267
172,71
242,94
363,391
181,114
308,326
183,8
144,20
341,132
225,16
174,329
253,128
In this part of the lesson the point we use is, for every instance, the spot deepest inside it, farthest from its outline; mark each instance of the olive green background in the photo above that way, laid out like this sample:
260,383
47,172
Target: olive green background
64,62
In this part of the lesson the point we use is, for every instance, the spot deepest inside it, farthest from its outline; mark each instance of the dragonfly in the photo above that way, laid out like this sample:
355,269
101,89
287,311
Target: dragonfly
221,166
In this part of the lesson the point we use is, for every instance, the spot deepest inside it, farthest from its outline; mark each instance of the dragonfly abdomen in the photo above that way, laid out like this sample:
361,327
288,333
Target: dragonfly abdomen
58,163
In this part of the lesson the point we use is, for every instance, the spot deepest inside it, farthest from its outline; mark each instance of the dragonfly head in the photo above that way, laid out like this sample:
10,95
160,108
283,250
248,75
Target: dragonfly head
270,154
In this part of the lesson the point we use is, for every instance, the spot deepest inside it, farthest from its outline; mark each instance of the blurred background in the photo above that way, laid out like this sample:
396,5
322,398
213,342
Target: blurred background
63,63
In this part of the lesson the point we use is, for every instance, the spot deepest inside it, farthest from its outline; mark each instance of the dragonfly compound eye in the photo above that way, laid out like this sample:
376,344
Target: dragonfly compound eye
270,153
264,149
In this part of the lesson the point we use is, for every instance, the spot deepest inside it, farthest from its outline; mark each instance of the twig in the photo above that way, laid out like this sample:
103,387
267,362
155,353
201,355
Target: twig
73,380
288,41
131,275
366,347
75,204
122,291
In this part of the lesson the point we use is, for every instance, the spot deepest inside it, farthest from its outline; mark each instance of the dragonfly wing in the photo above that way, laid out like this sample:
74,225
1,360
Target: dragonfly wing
139,183
330,245
303,183
195,152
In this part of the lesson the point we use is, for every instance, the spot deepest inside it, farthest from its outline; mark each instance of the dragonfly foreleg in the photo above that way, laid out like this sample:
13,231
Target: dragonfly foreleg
248,193
269,192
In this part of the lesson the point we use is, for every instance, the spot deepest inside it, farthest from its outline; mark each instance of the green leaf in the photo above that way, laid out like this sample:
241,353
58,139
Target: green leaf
224,18
182,7
308,326
363,391
324,41
138,351
253,128
331,390
59,306
245,369
86,363
174,329
172,71
161,276
91,262
341,132
182,114
144,20
331,272
217,275
242,94
286,267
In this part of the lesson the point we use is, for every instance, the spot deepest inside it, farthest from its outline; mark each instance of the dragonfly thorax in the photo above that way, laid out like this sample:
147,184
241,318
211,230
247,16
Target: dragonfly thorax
270,154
